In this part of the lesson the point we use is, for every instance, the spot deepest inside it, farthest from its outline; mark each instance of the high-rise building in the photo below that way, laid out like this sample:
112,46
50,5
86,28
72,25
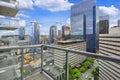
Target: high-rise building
118,23
104,25
65,32
52,34
59,34
84,23
109,44
35,33
21,33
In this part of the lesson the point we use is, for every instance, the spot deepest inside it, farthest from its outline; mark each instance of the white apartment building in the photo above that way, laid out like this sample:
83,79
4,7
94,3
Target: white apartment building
109,44
74,59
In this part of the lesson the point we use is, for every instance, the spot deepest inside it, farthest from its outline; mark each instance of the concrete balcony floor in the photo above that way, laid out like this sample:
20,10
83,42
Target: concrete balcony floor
38,76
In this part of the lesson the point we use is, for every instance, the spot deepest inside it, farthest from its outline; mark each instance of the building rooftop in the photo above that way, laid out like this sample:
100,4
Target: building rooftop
70,41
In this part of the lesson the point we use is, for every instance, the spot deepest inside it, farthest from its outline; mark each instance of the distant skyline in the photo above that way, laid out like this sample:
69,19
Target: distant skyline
50,12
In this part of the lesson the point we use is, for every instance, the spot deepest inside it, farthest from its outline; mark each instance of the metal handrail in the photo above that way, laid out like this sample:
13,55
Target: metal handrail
98,56
18,47
89,54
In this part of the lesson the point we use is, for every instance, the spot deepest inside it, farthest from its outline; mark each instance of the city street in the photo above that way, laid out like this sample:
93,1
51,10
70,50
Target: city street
87,74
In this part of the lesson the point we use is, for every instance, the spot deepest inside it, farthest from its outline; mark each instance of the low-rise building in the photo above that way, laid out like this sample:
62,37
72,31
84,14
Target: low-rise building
74,59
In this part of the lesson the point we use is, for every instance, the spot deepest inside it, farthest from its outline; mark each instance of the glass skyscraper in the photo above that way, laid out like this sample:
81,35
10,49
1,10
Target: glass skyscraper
84,23
104,25
21,33
52,34
34,35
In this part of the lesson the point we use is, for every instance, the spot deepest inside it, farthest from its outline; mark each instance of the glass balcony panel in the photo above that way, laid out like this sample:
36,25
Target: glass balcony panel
31,61
54,63
9,65
8,24
58,64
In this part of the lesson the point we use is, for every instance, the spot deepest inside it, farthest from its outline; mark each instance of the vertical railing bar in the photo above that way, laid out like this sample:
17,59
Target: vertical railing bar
67,66
22,68
41,58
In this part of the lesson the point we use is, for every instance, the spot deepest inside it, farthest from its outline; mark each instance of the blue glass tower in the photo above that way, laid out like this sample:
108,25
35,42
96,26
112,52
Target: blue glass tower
84,24
52,34
34,33
21,33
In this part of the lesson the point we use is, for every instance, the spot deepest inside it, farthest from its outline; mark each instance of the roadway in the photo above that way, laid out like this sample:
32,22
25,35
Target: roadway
86,75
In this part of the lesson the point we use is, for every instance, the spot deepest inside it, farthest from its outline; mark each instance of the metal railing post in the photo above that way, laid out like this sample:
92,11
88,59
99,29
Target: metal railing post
41,58
67,66
22,63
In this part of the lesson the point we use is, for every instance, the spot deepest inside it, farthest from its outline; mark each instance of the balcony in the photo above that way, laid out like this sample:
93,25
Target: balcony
9,24
8,7
42,62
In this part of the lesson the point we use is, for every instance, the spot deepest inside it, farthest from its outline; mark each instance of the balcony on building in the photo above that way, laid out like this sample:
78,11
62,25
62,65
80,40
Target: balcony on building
8,7
9,24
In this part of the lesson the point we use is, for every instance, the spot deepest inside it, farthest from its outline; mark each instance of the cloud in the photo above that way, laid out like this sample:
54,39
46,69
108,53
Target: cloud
68,22
22,15
112,11
53,5
18,22
22,23
44,30
2,16
25,4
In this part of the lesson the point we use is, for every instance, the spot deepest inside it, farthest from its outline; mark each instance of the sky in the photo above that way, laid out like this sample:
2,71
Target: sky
57,12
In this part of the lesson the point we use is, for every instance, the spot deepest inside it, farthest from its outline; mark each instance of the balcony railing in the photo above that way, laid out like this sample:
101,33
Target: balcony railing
8,24
30,62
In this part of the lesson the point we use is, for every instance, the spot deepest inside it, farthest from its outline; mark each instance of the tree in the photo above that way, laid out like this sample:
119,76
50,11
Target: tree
25,72
95,73
90,59
82,69
90,79
75,73
70,73
87,65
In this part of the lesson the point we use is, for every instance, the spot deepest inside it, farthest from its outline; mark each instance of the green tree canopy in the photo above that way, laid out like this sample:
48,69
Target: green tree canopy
76,73
82,69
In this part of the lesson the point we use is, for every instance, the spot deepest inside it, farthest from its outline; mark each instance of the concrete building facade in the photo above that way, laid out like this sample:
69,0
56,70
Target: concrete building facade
114,30
118,23
74,59
109,44
65,32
